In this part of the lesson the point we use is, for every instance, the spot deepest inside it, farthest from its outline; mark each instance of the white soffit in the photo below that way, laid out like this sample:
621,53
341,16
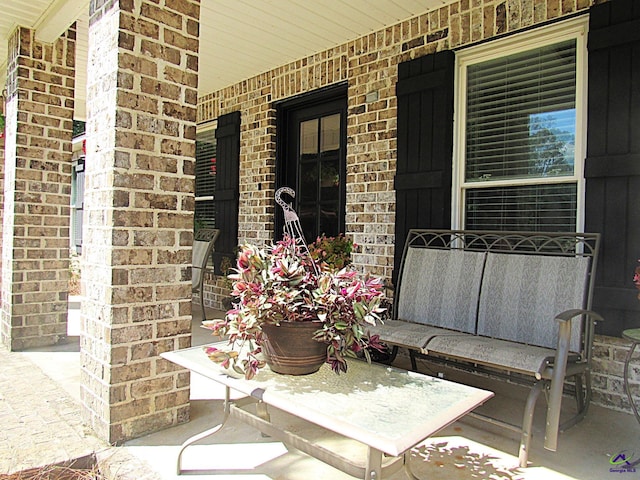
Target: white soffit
12,14
238,38
241,38
49,19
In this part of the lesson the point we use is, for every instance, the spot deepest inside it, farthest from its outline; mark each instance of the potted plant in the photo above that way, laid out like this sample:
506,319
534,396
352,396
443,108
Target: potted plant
283,286
332,252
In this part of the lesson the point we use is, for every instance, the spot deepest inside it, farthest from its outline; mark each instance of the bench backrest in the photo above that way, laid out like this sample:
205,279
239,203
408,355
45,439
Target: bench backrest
522,294
526,280
441,288
203,245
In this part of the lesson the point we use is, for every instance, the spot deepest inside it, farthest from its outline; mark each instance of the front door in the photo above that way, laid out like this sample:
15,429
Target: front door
313,162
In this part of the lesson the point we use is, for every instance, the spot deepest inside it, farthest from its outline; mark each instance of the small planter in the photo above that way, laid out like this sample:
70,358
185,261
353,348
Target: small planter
290,349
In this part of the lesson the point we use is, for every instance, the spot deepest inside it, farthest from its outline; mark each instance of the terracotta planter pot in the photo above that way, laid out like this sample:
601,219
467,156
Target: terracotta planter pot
290,349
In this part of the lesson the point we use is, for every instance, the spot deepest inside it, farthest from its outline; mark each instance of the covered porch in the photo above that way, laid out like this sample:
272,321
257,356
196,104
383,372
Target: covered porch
468,449
230,59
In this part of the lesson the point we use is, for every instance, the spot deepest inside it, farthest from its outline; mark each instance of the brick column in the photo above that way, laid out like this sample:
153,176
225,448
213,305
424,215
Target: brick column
2,137
141,113
35,240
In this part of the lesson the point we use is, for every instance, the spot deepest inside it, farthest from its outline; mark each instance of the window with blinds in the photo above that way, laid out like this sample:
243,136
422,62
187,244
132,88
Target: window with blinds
541,208
520,136
205,212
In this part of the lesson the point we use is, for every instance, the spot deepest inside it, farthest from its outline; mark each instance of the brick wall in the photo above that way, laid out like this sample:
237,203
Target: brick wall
35,257
141,109
369,64
608,367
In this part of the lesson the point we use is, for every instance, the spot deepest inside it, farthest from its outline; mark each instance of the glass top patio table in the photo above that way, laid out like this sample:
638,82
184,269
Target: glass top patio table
386,408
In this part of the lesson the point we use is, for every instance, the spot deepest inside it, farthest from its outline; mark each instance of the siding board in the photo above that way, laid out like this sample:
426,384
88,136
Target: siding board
619,98
227,193
598,101
635,94
425,145
612,167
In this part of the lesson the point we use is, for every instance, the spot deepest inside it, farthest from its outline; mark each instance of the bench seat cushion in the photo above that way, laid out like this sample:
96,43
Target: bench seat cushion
407,334
506,355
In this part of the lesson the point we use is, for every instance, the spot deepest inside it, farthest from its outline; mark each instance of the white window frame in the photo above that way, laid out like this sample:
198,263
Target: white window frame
576,28
202,128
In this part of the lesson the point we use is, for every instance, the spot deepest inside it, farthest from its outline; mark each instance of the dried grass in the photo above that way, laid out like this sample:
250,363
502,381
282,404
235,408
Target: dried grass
81,469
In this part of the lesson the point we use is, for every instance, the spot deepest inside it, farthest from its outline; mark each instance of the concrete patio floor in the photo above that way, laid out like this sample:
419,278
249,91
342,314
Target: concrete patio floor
467,449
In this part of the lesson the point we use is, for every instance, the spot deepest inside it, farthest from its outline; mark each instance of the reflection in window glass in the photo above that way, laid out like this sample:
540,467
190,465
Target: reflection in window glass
307,216
329,219
521,114
543,208
329,173
552,142
330,133
308,181
309,137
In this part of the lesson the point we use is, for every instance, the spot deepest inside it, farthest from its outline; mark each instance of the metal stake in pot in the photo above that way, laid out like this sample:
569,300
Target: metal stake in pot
292,225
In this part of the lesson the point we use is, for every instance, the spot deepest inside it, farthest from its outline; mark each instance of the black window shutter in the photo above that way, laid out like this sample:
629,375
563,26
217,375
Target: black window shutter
425,145
612,167
227,191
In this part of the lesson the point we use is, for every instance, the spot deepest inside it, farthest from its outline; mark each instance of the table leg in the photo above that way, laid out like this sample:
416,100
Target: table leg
626,380
374,464
407,466
263,413
206,433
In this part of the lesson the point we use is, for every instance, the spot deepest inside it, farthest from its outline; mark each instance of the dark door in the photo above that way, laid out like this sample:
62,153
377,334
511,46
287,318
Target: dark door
312,161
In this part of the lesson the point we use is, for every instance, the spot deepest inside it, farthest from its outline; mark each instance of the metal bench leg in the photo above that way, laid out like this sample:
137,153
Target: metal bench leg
527,422
204,313
414,364
557,386
587,391
579,393
583,399
394,354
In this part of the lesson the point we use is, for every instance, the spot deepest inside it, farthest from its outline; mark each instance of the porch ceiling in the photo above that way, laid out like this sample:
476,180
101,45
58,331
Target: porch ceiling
238,38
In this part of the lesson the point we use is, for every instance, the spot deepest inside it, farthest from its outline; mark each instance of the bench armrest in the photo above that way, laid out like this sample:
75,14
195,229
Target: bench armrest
568,315
560,369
